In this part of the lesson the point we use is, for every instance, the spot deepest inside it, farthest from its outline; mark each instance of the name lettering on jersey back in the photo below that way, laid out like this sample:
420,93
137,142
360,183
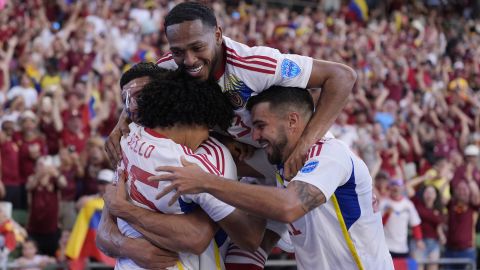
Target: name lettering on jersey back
139,147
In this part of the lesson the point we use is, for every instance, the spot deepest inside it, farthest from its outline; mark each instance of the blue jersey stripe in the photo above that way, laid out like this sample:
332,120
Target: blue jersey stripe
348,200
187,207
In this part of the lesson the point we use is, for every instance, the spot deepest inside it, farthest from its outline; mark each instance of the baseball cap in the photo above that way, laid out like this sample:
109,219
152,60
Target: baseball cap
471,150
106,176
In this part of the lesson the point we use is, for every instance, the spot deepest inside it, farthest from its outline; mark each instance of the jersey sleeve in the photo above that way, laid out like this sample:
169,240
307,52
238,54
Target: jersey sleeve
325,173
413,217
215,209
261,67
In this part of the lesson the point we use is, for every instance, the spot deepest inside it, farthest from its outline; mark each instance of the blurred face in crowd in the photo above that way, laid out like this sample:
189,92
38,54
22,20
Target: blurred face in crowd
25,81
96,154
195,47
129,93
396,189
270,131
8,127
429,196
65,158
29,250
28,124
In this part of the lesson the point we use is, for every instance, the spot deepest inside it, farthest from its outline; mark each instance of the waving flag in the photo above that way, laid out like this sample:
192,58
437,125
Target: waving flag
360,9
82,239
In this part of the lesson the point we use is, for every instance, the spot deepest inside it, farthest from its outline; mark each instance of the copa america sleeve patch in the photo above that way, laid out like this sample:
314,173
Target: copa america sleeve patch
290,69
309,167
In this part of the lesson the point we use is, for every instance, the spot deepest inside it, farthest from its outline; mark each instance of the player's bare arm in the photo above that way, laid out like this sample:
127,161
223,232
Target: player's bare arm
111,242
285,205
112,145
180,233
336,81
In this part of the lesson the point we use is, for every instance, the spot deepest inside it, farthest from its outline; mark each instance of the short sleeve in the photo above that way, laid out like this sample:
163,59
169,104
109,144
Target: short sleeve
215,209
325,173
293,70
414,218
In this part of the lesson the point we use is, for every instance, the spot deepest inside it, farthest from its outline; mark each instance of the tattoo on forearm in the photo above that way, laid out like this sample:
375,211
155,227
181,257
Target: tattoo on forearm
309,195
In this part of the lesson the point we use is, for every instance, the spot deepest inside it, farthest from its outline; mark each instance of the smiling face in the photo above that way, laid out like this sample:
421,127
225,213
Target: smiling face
195,47
270,131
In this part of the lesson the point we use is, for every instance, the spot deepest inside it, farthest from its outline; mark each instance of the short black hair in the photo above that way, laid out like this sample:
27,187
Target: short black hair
190,11
139,70
176,98
281,97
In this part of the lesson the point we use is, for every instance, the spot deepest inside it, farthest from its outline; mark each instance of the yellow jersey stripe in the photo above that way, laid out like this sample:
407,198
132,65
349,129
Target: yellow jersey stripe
350,245
217,256
279,179
180,265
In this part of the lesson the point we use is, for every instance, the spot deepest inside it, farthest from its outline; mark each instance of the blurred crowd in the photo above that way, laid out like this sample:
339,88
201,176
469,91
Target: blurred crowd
414,115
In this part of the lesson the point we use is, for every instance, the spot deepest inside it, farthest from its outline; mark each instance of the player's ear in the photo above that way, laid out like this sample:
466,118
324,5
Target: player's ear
293,120
218,35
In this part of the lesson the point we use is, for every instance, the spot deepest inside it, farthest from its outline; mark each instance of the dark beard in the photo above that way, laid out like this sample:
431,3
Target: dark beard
276,157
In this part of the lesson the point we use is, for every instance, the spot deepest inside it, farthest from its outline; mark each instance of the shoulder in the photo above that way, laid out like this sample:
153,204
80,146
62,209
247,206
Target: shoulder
330,148
166,61
253,60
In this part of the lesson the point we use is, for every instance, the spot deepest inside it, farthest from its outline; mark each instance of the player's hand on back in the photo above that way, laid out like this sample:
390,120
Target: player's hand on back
115,196
296,160
148,256
189,179
112,145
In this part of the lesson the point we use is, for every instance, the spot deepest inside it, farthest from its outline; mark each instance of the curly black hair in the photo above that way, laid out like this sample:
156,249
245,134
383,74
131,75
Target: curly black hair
190,11
141,69
177,98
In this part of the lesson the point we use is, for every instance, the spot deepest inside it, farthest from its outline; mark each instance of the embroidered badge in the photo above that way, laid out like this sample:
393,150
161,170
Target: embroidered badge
309,167
290,69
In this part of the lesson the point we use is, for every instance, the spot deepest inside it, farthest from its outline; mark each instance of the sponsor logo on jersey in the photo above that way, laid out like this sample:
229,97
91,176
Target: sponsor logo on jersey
238,92
290,69
309,167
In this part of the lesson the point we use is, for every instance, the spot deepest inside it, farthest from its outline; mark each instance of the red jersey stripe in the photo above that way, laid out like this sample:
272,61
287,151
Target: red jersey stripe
237,253
208,165
219,155
319,149
238,58
166,57
253,56
138,197
250,68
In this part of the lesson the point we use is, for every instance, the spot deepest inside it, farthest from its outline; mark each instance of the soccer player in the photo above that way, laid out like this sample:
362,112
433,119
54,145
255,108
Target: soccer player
328,204
199,48
170,131
187,233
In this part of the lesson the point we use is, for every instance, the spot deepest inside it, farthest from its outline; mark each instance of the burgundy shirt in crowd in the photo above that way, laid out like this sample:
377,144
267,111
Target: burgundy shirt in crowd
43,218
461,227
431,218
460,175
9,152
70,191
70,138
52,137
27,164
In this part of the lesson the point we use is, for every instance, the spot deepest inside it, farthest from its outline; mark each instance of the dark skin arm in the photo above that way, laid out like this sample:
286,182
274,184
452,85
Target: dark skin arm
284,205
337,81
180,233
111,242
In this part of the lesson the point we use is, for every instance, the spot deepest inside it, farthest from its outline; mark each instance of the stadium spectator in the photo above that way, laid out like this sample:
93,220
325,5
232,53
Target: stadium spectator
398,215
43,186
30,259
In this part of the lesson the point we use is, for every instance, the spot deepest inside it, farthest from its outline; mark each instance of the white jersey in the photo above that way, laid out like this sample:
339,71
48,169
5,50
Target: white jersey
403,214
344,232
143,151
249,71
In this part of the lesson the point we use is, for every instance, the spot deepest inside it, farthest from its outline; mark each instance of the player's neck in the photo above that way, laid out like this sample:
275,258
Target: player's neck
190,136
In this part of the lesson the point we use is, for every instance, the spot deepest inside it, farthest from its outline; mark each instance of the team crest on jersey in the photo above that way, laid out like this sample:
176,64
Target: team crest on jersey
238,92
290,69
309,167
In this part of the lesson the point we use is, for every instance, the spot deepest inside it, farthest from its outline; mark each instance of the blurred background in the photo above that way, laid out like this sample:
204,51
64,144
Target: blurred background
414,115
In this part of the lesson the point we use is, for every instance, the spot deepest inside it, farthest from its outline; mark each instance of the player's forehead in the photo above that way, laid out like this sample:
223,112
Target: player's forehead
261,112
135,85
188,33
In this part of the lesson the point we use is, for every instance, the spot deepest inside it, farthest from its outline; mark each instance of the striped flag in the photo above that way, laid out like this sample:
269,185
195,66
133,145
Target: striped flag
81,244
360,9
